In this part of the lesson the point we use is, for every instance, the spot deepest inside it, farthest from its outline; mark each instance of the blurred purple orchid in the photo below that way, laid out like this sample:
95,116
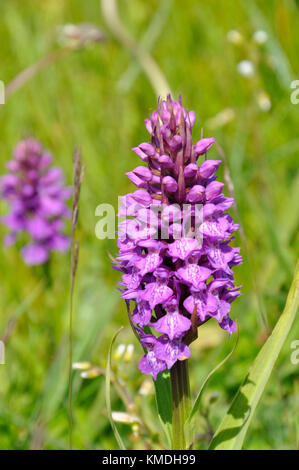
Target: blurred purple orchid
36,194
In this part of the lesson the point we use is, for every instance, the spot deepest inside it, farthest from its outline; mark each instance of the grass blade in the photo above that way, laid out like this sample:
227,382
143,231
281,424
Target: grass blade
150,37
233,428
108,401
146,61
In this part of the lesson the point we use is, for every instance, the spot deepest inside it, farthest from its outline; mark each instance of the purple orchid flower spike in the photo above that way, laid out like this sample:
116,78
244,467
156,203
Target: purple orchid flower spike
36,194
177,273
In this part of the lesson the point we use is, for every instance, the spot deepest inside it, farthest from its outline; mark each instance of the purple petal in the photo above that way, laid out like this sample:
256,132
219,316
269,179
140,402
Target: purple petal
213,190
142,197
170,184
148,149
191,118
142,313
203,145
165,161
156,293
183,248
59,242
150,364
149,263
208,168
214,229
228,324
9,239
194,274
172,324
171,351
52,207
205,304
191,170
143,172
196,194
220,256
34,254
39,228
139,182
53,175
15,222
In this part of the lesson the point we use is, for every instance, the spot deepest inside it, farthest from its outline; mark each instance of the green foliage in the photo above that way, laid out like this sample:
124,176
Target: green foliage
108,397
232,430
79,101
190,423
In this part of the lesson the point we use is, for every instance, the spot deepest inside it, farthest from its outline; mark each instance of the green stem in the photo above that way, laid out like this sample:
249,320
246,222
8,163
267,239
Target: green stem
181,402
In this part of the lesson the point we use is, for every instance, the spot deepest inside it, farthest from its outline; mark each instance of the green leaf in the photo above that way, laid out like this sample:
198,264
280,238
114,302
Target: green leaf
163,399
108,401
190,423
233,428
197,401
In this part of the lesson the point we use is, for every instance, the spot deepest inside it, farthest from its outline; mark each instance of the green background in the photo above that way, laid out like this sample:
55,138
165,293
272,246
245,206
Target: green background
79,100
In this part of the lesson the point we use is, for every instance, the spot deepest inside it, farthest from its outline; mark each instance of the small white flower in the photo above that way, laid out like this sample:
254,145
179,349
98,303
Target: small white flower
117,355
263,100
83,365
129,353
234,37
78,35
92,373
246,68
260,36
126,418
146,388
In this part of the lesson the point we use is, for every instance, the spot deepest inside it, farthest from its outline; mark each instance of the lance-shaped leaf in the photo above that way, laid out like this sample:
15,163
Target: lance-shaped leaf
190,423
232,431
163,399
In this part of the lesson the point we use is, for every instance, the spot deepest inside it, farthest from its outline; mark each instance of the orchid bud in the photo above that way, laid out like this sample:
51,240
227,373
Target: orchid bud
203,145
208,168
170,184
